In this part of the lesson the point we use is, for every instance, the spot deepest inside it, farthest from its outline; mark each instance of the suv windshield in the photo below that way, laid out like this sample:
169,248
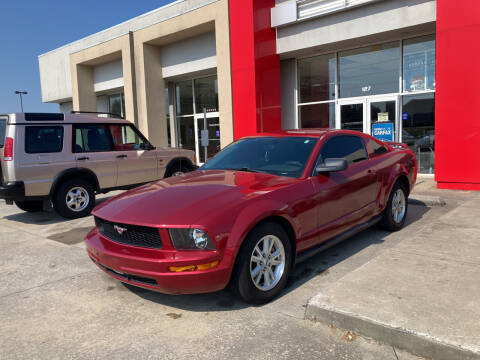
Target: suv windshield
284,156
3,125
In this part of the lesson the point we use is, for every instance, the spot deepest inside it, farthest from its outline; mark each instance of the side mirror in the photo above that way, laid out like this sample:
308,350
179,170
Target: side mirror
332,165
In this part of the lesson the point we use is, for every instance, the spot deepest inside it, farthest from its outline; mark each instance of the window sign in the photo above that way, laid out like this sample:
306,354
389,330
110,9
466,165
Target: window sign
383,131
382,116
419,64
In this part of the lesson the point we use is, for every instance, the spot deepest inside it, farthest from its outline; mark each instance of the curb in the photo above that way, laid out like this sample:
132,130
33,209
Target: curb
415,343
426,200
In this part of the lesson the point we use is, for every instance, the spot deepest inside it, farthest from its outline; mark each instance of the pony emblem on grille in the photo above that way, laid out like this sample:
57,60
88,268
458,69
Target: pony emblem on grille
120,230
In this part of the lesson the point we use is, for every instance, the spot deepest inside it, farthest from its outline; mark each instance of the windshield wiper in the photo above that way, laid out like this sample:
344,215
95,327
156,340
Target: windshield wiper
246,169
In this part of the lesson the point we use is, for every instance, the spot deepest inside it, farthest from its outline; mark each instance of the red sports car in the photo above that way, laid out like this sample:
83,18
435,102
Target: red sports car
252,212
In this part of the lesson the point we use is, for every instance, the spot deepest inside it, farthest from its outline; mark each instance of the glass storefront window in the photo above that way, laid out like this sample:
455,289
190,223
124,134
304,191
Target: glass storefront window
419,64
206,94
369,70
316,115
184,93
418,129
317,78
351,117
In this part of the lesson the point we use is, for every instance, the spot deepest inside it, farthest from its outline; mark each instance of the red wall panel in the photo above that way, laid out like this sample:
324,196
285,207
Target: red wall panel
457,101
255,68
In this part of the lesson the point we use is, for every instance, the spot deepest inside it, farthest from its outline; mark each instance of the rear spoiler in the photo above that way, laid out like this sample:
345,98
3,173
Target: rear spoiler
396,145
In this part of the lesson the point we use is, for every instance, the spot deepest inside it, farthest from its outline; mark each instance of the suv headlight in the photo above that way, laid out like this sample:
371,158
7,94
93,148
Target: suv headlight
190,239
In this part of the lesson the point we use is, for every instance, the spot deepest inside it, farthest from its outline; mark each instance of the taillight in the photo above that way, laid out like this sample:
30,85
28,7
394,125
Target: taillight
8,149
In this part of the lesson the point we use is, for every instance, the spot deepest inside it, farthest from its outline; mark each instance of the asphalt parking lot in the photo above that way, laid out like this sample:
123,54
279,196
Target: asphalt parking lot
55,303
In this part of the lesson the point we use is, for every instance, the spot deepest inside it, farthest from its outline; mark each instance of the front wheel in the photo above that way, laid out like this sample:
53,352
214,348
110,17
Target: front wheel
74,199
263,264
395,212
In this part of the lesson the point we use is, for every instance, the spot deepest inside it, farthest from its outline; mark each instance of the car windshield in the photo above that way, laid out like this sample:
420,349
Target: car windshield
283,156
3,125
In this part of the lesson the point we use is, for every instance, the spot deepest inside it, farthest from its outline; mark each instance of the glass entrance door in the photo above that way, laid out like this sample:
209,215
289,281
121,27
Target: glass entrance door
377,116
212,125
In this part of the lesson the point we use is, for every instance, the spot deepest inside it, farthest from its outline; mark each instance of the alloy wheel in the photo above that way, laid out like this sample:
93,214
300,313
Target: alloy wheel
77,199
267,262
399,206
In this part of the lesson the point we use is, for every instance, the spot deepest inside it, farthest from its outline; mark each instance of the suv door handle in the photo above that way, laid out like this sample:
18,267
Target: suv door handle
84,158
121,156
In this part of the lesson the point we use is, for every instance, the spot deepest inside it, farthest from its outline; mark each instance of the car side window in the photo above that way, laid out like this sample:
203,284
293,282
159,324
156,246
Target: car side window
91,138
376,149
43,139
349,147
126,138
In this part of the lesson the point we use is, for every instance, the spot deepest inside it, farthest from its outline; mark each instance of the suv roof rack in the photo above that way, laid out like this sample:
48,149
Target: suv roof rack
44,117
98,113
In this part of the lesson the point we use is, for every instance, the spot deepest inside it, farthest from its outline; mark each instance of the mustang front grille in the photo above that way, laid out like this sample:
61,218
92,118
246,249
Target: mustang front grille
134,235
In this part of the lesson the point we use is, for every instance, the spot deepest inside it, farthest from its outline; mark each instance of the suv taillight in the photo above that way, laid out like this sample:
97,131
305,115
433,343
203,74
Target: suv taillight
8,149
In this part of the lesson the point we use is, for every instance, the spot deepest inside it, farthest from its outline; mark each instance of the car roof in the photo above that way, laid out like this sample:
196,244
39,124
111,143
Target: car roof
312,132
61,118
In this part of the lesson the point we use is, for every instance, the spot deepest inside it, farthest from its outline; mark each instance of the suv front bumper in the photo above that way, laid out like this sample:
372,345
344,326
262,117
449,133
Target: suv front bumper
14,191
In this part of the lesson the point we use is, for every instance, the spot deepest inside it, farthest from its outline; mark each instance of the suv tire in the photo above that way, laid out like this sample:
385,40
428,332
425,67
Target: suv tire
74,199
255,263
395,212
30,206
177,170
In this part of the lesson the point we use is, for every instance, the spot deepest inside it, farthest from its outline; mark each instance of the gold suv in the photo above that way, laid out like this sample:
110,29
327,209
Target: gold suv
63,160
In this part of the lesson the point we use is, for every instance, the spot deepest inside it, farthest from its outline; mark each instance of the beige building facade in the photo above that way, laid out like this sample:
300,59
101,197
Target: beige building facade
166,71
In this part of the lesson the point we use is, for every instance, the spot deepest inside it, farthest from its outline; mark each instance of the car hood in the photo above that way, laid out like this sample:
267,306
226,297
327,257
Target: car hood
183,200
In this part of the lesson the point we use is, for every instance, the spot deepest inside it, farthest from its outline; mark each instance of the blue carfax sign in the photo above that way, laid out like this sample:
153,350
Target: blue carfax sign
383,131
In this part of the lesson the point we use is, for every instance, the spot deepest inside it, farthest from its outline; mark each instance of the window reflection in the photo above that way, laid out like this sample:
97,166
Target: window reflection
317,115
419,64
317,78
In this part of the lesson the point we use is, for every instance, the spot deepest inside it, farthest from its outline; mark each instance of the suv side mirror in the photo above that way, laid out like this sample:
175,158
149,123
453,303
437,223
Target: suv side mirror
332,165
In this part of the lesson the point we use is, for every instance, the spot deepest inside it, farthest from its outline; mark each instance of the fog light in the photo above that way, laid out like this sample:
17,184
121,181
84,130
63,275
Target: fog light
193,267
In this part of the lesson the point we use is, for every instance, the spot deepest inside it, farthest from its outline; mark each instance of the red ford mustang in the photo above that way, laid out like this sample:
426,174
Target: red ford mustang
252,212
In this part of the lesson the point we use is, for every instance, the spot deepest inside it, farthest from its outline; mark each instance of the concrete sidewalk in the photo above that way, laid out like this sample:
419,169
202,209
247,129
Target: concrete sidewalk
423,294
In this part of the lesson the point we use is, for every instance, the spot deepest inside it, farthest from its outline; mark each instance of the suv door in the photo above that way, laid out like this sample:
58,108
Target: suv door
345,194
93,150
135,163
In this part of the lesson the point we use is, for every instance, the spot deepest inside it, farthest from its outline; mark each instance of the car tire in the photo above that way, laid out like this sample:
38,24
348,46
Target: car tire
30,206
395,213
177,170
251,284
74,199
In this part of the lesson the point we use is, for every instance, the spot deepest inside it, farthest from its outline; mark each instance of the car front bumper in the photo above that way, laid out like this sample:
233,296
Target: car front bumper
14,191
149,268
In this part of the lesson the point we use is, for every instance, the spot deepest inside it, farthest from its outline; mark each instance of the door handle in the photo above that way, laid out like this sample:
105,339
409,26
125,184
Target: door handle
121,156
83,158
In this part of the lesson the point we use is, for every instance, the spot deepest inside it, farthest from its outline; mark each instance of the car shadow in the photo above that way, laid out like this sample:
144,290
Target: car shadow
45,217
304,272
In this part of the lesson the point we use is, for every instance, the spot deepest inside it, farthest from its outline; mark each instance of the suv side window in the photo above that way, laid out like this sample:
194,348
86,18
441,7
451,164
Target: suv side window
126,138
3,127
91,138
43,139
349,147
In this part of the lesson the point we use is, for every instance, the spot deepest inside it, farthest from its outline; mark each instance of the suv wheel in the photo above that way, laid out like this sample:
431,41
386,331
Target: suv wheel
263,264
74,199
177,170
395,213
30,206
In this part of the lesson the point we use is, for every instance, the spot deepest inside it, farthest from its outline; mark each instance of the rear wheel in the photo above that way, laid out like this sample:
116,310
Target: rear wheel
395,213
30,206
74,199
177,170
263,264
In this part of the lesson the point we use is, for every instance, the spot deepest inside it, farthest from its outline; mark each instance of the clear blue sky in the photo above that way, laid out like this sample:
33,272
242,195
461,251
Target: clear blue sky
31,27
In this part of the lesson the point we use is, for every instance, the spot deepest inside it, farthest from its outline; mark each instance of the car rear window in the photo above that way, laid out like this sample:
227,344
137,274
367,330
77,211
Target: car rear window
3,126
43,139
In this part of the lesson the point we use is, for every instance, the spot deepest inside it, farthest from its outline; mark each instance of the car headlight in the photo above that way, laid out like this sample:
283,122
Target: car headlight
190,239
